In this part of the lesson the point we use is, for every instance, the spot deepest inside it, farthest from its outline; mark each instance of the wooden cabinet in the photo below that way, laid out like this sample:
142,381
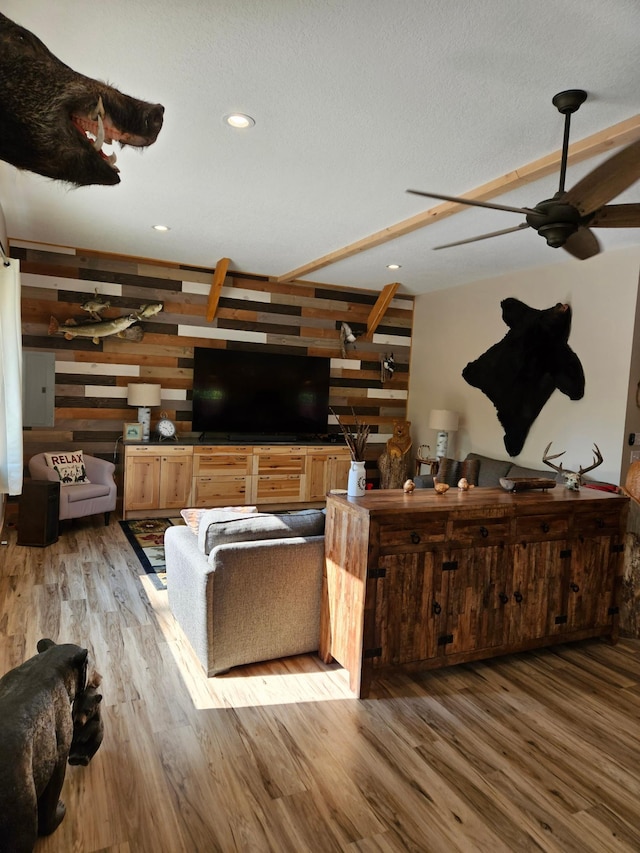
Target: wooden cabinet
160,479
278,474
157,479
326,468
267,475
222,475
175,478
425,580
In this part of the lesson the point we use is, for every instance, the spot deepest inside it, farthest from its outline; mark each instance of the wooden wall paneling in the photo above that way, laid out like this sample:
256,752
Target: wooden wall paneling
299,317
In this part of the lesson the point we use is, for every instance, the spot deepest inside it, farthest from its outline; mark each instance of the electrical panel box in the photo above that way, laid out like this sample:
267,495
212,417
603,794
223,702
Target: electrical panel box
38,388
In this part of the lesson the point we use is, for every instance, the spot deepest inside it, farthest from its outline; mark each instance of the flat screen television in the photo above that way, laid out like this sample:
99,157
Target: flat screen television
254,394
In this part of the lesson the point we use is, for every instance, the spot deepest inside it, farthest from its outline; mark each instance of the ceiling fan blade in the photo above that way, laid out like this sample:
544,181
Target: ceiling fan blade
607,180
472,202
582,244
484,236
617,216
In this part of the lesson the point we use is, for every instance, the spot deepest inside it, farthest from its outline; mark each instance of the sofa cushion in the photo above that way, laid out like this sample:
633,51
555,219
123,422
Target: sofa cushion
490,469
86,491
450,471
218,527
192,515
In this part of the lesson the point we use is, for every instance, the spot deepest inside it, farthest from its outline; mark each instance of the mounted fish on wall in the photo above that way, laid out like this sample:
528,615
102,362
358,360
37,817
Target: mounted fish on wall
123,327
520,373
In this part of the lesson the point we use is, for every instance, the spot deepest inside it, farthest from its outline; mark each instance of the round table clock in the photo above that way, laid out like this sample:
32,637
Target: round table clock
166,428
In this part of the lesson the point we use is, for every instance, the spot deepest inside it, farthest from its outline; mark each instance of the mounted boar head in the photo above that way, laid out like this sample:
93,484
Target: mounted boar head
47,111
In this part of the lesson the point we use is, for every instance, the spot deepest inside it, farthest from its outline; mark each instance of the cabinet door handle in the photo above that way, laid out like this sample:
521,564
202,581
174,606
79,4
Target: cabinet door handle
484,532
415,538
503,597
574,587
437,609
545,527
517,596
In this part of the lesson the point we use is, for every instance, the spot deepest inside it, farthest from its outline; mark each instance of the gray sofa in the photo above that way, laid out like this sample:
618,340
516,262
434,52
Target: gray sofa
482,471
246,587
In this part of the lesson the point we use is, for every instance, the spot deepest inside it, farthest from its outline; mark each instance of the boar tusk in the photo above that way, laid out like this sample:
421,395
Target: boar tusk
97,143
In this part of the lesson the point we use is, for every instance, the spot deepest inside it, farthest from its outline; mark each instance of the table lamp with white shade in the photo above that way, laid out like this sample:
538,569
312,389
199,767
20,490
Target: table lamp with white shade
144,395
444,422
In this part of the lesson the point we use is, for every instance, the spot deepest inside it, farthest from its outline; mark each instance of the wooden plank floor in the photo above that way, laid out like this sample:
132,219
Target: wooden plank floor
534,752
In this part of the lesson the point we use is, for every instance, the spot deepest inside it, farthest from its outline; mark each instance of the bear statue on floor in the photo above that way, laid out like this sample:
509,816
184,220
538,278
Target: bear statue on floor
36,729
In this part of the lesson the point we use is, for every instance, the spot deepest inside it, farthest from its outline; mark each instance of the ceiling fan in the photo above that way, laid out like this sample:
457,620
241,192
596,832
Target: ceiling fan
566,219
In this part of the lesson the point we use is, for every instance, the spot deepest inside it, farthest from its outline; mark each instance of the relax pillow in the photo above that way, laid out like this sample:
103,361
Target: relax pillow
219,528
69,466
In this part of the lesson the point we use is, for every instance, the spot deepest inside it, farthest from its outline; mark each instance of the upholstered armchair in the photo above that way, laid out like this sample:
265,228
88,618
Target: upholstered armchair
80,499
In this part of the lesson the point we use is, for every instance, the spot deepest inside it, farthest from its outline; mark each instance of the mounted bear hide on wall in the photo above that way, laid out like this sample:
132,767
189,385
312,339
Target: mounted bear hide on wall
520,373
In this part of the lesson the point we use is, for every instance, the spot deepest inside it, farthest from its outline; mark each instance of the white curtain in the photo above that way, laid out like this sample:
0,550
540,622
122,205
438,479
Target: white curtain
11,463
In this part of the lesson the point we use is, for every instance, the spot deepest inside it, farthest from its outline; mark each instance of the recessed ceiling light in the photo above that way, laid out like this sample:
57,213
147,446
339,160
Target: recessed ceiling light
161,228
239,120
394,266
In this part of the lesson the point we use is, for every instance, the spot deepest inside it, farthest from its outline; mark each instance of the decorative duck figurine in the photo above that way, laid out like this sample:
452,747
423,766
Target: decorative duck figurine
463,484
440,488
409,486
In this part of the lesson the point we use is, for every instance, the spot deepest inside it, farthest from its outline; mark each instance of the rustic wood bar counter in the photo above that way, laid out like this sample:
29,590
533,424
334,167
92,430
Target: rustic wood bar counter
423,580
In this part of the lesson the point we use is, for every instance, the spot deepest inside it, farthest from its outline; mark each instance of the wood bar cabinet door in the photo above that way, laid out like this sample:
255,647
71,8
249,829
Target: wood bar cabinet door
476,602
536,605
142,481
411,607
175,481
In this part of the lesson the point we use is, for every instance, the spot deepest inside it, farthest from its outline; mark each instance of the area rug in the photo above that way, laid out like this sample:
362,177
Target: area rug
146,537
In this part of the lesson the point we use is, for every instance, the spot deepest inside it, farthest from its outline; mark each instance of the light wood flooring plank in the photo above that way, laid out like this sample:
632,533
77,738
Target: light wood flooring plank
532,752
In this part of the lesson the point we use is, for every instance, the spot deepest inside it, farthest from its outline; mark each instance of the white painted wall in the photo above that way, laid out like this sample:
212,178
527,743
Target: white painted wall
3,231
453,327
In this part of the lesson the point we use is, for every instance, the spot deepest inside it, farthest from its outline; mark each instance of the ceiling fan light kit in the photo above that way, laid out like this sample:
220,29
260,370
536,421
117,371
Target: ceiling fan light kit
565,221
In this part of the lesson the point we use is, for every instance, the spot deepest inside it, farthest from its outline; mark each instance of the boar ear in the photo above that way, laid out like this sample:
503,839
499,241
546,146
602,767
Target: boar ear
44,644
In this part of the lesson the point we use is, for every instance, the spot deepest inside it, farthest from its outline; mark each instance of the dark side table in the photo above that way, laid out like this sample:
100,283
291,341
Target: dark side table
38,511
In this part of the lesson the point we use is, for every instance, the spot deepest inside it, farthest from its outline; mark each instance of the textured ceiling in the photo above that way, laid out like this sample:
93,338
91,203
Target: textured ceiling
354,102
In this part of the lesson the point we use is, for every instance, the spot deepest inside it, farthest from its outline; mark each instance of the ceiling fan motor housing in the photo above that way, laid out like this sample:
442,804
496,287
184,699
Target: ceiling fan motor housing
554,220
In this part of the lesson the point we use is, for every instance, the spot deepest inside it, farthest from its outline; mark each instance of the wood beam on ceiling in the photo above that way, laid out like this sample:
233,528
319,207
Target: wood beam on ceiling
612,137
216,287
378,311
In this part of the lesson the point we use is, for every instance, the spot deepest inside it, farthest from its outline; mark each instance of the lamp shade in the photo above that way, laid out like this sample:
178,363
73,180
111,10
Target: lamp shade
143,394
443,420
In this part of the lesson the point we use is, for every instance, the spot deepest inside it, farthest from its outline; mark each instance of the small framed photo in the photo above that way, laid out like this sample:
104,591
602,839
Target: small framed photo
132,432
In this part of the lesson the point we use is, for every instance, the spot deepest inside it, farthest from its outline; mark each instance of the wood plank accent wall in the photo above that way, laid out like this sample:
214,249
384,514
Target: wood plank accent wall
254,313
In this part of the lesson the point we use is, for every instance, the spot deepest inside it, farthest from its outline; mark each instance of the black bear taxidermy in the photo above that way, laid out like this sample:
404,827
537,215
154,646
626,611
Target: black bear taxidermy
520,373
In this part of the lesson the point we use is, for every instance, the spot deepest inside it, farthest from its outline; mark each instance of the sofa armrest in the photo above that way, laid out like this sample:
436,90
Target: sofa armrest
39,470
99,470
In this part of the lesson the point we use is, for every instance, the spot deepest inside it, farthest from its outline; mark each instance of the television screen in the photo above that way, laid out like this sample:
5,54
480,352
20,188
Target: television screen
256,394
